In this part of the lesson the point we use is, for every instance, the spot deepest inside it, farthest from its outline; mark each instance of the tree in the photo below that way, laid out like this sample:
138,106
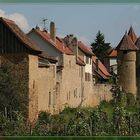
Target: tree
99,47
11,99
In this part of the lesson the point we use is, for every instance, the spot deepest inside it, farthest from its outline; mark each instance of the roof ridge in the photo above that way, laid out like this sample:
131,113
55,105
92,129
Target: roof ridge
7,20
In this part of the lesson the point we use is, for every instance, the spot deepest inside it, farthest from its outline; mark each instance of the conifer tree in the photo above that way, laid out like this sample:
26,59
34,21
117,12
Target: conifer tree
99,47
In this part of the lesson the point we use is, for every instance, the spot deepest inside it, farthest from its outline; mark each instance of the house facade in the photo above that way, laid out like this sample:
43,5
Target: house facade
26,63
69,68
52,72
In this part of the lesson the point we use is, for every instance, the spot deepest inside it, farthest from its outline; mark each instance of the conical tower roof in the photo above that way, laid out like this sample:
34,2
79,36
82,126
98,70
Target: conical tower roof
137,43
132,34
126,44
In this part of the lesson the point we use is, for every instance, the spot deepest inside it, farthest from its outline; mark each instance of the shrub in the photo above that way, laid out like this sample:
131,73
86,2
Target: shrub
130,99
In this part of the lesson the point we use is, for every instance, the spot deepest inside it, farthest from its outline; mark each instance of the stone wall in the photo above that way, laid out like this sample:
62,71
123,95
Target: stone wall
46,90
89,95
102,92
95,93
127,71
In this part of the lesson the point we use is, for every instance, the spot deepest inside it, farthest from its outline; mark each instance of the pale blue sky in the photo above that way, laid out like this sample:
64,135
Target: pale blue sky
82,20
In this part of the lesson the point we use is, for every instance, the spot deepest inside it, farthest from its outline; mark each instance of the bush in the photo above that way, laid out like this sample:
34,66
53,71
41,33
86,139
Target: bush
130,99
13,127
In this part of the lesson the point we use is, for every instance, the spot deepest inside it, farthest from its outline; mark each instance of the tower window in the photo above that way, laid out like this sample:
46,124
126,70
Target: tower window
124,52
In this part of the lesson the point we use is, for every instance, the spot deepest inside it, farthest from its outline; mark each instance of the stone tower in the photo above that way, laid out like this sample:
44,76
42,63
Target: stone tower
126,59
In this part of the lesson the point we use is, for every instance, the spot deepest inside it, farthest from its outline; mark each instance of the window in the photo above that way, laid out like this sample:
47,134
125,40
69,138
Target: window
124,52
87,60
70,64
75,93
87,76
54,97
33,83
90,61
69,95
49,98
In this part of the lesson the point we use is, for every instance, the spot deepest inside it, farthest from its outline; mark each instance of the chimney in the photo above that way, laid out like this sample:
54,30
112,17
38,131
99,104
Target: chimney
97,64
52,31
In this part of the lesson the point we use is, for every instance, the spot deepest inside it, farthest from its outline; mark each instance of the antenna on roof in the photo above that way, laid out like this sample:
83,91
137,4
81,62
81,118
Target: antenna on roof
37,27
44,23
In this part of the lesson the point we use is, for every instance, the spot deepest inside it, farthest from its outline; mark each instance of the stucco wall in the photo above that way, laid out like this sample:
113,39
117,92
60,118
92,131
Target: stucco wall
33,87
47,89
71,83
42,88
72,79
67,87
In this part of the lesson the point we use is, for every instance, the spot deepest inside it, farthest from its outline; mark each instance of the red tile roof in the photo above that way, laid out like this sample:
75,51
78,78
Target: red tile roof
126,44
113,53
100,74
80,62
102,69
137,43
20,34
132,34
85,48
58,44
46,56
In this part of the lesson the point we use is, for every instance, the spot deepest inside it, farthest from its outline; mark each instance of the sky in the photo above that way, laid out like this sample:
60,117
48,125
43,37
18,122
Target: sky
82,20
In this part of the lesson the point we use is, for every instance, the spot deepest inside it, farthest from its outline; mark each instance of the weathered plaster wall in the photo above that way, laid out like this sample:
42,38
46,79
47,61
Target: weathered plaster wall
47,89
70,83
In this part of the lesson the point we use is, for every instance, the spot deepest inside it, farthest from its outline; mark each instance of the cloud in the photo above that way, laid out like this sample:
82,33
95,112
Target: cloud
18,18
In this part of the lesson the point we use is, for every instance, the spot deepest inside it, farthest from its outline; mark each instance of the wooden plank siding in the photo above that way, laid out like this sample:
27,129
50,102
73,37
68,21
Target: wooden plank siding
9,43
